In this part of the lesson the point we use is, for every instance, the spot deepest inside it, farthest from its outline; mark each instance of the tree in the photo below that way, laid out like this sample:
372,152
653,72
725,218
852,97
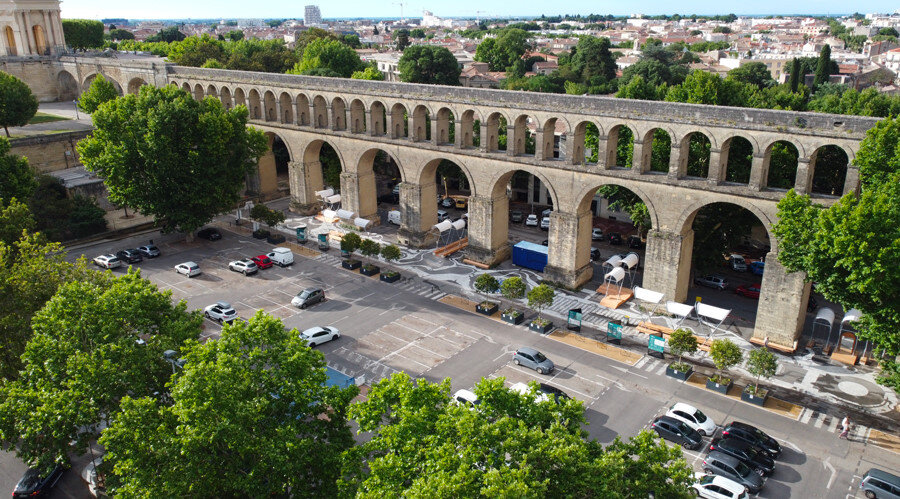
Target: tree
822,66
513,288
168,35
761,363
795,75
14,219
390,252
502,52
311,35
351,41
170,156
486,283
18,176
428,64
120,34
539,297
401,36
350,242
417,33
250,414
83,33
369,248
262,213
700,87
94,342
682,342
754,73
725,354
330,55
195,50
17,103
878,158
593,59
370,73
100,91
235,35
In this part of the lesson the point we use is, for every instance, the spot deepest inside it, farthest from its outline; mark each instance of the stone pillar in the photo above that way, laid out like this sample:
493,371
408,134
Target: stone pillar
759,172
640,161
49,37
803,182
574,148
539,146
851,181
418,212
782,303
569,258
358,194
457,134
667,264
370,125
488,229
435,130
305,179
678,157
278,116
511,140
716,167
602,154
611,149
29,34
484,146
298,110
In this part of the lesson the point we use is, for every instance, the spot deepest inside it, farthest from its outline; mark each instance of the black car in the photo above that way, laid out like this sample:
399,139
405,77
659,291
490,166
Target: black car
210,233
130,256
516,216
753,435
595,253
307,297
149,250
36,482
677,431
732,468
552,391
746,452
635,242
615,238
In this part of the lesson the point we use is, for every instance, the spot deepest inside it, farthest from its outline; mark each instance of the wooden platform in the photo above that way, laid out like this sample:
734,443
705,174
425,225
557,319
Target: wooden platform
451,248
663,331
615,297
845,357
775,346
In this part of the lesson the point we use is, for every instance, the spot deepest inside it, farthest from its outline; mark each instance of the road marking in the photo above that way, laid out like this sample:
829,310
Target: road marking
661,370
828,465
805,415
833,426
819,421
640,363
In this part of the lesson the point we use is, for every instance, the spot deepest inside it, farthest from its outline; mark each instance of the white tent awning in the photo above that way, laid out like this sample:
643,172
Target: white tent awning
616,274
325,193
825,315
345,214
328,214
613,261
443,226
459,224
333,199
715,313
631,260
647,295
362,223
853,315
679,309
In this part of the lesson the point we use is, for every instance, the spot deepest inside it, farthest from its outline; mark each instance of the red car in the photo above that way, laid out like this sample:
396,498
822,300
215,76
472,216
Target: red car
263,262
748,290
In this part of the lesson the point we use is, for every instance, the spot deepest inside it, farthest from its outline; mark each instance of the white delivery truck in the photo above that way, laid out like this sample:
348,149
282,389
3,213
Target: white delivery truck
281,256
394,217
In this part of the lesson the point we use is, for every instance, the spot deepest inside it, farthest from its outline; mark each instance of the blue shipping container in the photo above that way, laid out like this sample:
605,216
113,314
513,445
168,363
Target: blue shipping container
530,255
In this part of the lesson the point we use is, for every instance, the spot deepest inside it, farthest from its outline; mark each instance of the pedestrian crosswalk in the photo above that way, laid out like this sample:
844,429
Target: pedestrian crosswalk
831,424
411,285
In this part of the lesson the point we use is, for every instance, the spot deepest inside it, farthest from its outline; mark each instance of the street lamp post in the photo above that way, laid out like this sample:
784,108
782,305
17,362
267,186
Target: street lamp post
170,358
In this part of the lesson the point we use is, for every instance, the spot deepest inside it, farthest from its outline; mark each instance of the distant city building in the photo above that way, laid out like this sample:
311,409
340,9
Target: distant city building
312,16
250,23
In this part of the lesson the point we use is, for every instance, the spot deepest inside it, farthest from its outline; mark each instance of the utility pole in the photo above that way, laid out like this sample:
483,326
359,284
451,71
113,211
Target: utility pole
401,4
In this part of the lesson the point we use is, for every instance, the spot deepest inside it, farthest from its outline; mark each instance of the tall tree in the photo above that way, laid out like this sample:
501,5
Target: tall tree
100,91
18,180
170,156
795,74
502,52
195,50
17,103
83,33
332,55
822,66
168,35
593,59
120,34
429,64
754,73
401,37
250,416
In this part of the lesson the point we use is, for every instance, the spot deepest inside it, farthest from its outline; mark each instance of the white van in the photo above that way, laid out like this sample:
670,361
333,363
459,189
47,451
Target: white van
281,256
394,217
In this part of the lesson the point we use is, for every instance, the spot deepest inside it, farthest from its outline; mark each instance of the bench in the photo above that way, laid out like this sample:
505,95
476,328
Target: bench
657,330
775,346
476,264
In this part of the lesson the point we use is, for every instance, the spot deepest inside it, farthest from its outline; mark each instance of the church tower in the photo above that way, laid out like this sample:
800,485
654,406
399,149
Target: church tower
30,28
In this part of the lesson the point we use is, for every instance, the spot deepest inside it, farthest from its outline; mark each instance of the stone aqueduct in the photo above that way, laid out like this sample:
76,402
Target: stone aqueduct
359,118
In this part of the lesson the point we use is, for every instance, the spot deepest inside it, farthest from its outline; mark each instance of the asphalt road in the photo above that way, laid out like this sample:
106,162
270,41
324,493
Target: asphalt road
392,327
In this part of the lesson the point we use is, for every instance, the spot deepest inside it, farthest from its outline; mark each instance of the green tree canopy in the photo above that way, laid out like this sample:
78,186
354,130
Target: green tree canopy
17,104
100,91
83,33
250,415
540,297
754,73
502,52
235,35
513,288
328,54
168,35
401,36
170,156
18,180
195,50
120,34
370,73
429,64
593,59
822,66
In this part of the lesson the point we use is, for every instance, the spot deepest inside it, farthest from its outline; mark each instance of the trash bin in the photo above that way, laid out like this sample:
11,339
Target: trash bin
574,321
301,234
323,242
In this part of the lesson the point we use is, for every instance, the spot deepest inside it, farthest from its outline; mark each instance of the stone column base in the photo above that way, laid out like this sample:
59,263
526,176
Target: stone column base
413,239
487,256
305,208
571,279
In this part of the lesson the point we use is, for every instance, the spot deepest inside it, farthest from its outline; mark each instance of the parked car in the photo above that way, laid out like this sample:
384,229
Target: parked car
693,417
442,215
220,311
596,234
244,266
516,216
189,269
307,297
461,202
554,392
209,233
37,482
676,431
447,202
746,452
877,483
748,290
130,256
262,261
717,487
466,398
712,281
107,261
532,220
737,263
732,468
635,242
149,250
595,253
545,223
523,389
281,256
89,474
320,334
615,238
754,435
532,359
758,267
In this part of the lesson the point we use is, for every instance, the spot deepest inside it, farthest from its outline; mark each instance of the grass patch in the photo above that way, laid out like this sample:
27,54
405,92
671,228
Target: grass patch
46,118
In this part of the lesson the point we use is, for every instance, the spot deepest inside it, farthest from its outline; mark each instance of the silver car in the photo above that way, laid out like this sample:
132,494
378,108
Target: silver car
220,311
532,359
244,265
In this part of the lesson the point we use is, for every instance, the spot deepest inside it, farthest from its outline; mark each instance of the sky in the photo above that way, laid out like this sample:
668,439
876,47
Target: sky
284,9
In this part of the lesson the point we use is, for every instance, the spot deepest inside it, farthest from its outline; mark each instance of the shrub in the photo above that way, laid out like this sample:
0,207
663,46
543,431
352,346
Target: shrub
539,297
681,342
390,252
725,354
761,363
513,288
486,283
350,242
369,248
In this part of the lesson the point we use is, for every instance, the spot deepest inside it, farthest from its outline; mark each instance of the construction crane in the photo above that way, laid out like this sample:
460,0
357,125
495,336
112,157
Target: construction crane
401,4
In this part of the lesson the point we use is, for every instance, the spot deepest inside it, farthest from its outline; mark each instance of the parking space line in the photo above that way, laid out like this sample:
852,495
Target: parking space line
531,375
806,415
833,426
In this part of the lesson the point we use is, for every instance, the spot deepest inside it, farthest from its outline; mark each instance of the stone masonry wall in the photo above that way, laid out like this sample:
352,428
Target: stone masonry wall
50,153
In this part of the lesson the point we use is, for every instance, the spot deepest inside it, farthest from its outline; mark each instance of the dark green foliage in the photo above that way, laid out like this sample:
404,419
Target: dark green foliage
235,35
795,75
85,218
17,104
62,218
16,175
170,34
83,33
401,36
822,66
593,59
719,227
754,73
100,91
429,64
120,34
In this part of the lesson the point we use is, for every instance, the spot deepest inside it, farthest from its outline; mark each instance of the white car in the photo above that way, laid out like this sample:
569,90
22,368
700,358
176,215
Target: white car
545,223
466,398
220,311
189,269
320,334
596,234
524,389
244,265
693,418
531,220
107,261
718,487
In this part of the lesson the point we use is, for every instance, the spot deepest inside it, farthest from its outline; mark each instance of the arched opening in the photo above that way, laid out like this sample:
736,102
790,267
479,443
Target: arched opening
211,91
40,40
782,157
240,98
302,110
523,135
255,106
585,144
357,116
399,125
379,119
451,182
446,127
11,42
553,139
698,148
339,113
273,167
329,173
225,97
198,92
527,199
657,151
620,147
495,140
68,87
829,166
184,86
90,79
469,138
320,112
271,114
384,188
287,109
134,86
421,124
738,152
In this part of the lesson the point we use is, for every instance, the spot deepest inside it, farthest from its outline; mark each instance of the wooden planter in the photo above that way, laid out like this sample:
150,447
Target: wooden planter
717,387
514,318
759,398
682,375
394,277
260,234
487,308
351,264
369,270
537,328
275,239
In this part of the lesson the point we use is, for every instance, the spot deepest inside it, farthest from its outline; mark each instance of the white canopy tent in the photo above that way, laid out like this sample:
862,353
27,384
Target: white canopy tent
824,319
679,309
362,223
711,312
345,215
329,214
325,193
614,276
649,296
443,228
630,263
333,201
852,315
611,263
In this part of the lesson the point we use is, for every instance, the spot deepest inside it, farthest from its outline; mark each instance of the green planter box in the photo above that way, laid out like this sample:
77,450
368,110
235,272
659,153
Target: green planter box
488,308
275,239
369,270
537,328
260,234
682,375
351,264
718,387
759,398
394,277
515,319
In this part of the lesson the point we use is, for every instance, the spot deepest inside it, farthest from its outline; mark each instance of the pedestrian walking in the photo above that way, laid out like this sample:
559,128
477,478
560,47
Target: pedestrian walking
845,428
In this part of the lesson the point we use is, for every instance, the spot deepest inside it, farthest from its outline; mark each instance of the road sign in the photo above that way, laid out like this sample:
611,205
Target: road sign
301,234
574,321
323,241
613,332
656,346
